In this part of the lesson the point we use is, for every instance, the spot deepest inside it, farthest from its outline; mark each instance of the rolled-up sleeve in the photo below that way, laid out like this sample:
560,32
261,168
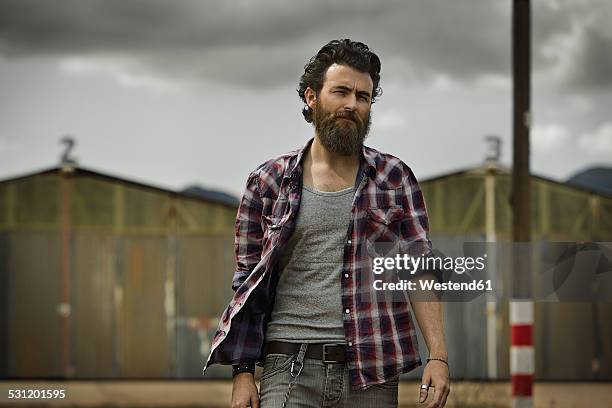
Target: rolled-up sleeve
417,214
420,243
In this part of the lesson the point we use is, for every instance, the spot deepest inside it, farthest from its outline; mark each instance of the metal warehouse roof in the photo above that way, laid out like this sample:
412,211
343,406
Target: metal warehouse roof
193,192
507,171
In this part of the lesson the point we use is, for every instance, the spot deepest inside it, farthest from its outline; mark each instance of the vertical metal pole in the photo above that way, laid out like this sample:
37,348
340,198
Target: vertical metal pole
64,307
118,279
521,305
521,201
170,298
491,238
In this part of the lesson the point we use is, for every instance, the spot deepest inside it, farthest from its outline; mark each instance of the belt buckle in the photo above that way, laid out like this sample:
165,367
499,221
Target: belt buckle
325,360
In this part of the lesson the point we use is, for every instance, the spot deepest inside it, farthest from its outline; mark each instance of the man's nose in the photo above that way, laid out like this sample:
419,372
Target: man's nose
350,103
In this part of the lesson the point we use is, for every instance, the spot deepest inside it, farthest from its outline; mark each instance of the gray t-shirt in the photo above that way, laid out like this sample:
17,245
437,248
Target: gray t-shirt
308,305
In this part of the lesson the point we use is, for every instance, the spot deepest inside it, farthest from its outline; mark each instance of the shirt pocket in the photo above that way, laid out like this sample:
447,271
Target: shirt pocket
384,231
384,224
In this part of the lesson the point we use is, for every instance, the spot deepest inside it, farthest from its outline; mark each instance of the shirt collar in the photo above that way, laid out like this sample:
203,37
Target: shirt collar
367,161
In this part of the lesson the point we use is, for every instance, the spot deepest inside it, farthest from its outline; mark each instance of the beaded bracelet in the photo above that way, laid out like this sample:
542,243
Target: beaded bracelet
438,359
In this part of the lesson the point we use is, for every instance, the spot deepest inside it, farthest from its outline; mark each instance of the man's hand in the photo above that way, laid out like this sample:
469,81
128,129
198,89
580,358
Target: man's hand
244,391
436,375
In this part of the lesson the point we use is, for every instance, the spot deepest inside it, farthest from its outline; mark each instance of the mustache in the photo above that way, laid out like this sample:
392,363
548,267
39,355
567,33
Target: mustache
347,115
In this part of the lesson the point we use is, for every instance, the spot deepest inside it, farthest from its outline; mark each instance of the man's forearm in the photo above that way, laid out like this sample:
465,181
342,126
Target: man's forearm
430,319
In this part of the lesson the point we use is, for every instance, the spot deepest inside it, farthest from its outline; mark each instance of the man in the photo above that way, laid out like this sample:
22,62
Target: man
304,226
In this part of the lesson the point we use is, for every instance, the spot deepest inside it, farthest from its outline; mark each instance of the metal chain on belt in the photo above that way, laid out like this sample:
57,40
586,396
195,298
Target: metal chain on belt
299,364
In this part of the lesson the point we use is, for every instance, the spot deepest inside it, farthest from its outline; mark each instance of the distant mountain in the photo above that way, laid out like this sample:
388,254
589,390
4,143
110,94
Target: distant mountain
595,178
212,195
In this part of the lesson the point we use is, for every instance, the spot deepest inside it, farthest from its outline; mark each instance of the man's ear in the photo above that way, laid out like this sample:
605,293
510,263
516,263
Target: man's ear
311,97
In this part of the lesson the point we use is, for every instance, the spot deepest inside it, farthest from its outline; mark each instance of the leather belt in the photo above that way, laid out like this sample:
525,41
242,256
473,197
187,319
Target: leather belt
328,352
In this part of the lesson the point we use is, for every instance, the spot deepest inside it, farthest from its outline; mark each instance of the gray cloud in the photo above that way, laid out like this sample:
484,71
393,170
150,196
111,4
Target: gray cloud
241,40
259,43
593,67
66,26
573,39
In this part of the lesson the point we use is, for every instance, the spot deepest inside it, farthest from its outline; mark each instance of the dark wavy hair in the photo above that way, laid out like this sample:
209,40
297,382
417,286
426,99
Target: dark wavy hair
354,54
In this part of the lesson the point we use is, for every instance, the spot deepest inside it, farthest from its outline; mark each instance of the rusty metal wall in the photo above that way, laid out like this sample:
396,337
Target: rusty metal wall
201,298
135,252
33,294
4,305
573,341
142,319
93,306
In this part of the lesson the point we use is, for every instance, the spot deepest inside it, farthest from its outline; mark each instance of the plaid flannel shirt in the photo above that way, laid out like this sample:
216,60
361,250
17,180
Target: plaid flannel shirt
388,206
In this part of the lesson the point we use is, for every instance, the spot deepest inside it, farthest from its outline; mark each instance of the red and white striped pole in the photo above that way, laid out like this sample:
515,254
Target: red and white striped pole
521,353
521,304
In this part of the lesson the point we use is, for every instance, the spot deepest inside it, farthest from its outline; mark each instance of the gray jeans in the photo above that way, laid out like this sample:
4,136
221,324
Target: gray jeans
319,385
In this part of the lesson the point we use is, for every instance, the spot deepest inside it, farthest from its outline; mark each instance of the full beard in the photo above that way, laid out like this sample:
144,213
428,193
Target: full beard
337,135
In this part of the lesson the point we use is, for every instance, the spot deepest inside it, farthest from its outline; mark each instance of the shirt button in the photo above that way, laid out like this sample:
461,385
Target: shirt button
349,242
350,343
347,311
346,275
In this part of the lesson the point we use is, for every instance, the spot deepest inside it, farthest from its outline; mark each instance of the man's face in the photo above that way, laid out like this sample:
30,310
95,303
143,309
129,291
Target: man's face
342,109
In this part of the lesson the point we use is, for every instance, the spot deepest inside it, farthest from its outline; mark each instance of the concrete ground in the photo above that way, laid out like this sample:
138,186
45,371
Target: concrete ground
213,394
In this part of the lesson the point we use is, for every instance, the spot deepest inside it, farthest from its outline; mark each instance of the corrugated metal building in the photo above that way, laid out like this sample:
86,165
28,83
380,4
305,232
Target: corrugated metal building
102,277
573,340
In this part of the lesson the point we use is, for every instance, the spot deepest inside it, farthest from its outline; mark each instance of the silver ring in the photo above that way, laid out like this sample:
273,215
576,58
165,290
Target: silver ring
424,386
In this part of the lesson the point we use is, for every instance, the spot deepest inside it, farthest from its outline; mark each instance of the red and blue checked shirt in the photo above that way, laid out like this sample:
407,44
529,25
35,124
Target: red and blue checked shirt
388,206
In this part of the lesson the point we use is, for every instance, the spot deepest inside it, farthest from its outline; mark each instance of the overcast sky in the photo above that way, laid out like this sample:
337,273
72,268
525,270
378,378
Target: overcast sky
182,92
